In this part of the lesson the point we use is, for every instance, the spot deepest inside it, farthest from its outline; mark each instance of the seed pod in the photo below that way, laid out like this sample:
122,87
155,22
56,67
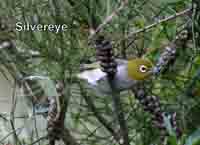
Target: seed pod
53,126
55,119
106,56
152,105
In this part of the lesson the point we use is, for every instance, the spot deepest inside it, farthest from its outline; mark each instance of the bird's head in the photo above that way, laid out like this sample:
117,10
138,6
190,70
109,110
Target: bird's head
139,69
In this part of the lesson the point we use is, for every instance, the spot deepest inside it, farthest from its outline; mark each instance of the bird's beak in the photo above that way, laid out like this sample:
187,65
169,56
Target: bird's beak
150,72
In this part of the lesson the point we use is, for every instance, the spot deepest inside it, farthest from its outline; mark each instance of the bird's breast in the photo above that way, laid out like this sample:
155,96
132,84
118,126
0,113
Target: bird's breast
121,80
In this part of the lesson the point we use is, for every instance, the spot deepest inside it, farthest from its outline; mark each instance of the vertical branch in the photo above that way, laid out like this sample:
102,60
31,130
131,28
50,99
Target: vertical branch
109,66
99,117
124,47
56,128
196,24
12,115
119,112
55,119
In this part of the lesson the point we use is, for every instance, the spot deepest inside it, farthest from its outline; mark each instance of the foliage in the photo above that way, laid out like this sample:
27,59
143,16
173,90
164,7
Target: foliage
61,55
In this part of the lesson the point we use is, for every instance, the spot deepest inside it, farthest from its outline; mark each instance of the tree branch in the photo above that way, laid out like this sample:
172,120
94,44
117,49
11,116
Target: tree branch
108,19
119,112
100,118
184,12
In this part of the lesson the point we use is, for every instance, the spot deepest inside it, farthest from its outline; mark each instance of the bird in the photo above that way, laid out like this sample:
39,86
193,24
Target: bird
128,73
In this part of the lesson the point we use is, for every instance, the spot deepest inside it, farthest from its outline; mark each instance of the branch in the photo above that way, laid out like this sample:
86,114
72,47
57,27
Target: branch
108,19
10,133
109,66
100,118
184,12
12,114
119,112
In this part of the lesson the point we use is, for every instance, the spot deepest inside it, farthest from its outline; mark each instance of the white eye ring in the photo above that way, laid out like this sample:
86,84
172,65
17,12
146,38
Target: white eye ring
143,68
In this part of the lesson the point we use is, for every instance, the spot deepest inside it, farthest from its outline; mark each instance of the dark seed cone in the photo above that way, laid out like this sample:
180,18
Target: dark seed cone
169,54
55,125
106,56
152,105
53,130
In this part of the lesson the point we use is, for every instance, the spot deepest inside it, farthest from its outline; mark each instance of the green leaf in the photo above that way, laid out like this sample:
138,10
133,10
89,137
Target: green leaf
194,139
172,140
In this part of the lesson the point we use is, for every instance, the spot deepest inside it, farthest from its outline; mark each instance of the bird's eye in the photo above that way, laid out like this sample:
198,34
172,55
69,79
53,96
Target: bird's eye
143,68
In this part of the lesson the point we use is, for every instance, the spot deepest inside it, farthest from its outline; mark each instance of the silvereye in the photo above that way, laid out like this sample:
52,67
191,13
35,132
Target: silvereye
128,73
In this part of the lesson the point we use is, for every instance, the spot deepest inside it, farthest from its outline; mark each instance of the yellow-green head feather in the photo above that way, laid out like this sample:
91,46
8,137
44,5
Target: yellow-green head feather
139,69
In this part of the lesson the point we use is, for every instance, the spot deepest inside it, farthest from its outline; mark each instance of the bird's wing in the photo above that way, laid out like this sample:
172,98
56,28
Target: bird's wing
92,72
96,65
121,61
92,76
90,66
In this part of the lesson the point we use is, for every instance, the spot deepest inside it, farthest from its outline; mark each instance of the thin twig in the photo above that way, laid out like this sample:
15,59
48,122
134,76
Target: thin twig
10,133
194,12
108,19
184,12
35,124
12,114
100,118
